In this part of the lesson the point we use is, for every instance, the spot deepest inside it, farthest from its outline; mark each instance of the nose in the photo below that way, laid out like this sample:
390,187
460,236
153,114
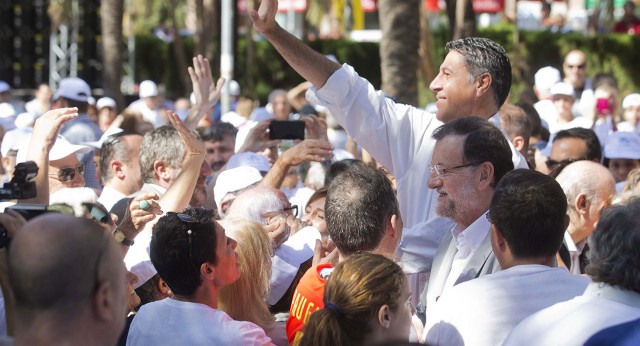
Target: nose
434,181
435,85
78,180
205,169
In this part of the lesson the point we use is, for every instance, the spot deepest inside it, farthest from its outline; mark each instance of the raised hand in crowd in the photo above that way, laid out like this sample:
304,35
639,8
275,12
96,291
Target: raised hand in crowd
257,139
306,151
316,127
45,133
205,91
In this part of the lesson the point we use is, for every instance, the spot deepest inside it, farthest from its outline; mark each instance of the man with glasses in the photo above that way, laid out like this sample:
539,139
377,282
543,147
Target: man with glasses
196,259
469,159
527,217
572,145
589,188
79,296
575,73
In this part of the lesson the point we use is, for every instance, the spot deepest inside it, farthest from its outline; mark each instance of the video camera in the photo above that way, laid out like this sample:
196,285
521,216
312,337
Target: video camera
21,186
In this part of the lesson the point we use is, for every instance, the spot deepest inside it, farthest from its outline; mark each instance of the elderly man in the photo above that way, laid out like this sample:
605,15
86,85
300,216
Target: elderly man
119,167
474,79
196,259
79,298
469,159
527,218
589,188
612,298
575,73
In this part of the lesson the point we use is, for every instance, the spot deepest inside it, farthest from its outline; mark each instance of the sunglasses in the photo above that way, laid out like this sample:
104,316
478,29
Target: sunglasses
68,173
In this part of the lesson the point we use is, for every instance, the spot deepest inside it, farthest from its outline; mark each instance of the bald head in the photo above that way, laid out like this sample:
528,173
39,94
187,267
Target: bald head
58,262
575,68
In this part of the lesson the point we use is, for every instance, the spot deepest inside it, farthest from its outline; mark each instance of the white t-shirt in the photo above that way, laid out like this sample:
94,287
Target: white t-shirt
575,321
173,322
483,311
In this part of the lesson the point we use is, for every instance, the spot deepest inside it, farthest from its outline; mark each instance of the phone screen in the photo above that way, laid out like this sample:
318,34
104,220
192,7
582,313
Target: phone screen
280,129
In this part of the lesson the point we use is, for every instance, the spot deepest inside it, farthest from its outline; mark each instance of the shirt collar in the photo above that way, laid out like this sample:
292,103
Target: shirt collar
469,239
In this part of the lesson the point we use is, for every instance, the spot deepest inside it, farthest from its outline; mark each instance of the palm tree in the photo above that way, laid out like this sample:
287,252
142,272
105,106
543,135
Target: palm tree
400,24
111,12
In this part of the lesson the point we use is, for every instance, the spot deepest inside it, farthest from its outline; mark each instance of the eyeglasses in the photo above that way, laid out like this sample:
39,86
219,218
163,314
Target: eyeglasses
551,164
580,67
68,173
440,172
292,210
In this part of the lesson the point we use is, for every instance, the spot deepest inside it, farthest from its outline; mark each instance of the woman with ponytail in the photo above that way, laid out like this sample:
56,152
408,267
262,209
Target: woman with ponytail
367,301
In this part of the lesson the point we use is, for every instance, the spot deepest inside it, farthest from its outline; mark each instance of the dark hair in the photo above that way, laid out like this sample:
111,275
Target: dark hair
339,167
217,132
318,194
481,55
176,255
614,256
149,291
359,203
529,209
354,293
515,121
483,143
594,150
82,106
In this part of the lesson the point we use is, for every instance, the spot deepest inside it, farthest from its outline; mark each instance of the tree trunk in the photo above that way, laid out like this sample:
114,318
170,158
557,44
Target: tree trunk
400,24
178,49
462,19
111,12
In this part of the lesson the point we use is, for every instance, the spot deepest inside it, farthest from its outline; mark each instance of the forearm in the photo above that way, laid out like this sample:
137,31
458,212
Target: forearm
311,65
179,193
276,174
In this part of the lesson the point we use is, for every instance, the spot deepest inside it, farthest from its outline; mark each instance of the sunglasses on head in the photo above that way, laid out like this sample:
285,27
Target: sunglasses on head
68,173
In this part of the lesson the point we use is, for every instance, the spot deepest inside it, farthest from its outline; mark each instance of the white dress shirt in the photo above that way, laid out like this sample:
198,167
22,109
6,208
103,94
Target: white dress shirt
573,322
110,196
467,241
484,310
575,250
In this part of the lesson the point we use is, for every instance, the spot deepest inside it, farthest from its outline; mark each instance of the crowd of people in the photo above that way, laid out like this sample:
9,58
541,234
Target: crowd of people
481,223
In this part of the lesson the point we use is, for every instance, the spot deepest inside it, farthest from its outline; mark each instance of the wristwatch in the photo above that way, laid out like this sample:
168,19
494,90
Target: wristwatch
121,238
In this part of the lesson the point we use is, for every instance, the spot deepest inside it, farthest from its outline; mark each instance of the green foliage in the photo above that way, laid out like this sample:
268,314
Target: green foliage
611,53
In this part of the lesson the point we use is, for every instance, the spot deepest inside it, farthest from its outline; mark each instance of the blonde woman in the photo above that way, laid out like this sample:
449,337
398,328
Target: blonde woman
245,299
366,301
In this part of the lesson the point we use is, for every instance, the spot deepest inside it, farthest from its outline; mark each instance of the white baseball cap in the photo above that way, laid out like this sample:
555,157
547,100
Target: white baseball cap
148,88
110,132
546,77
562,88
61,149
106,102
623,145
7,110
631,100
73,88
234,179
251,159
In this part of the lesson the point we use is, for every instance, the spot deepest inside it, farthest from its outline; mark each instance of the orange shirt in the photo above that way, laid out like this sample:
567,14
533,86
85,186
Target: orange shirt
307,299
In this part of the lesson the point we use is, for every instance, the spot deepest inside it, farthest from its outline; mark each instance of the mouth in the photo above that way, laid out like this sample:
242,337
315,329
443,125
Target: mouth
216,166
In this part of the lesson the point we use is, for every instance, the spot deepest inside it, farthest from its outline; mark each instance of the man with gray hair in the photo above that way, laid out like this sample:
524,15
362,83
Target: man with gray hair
612,298
589,187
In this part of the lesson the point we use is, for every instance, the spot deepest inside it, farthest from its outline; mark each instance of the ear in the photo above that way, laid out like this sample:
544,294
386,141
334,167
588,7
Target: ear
164,288
116,168
392,226
161,169
483,84
103,302
518,142
207,270
384,317
499,242
581,204
485,179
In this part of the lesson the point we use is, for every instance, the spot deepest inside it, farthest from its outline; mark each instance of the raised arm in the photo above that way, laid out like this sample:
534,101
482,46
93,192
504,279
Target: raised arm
205,91
45,132
308,150
310,64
